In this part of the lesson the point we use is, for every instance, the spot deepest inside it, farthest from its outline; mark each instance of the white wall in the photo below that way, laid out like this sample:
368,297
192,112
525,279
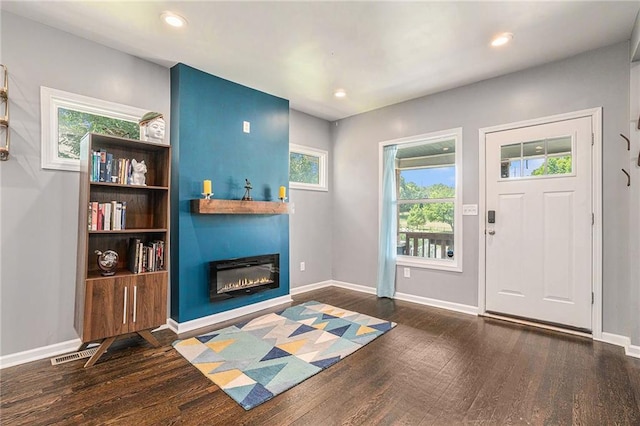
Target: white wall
311,226
39,208
593,79
634,210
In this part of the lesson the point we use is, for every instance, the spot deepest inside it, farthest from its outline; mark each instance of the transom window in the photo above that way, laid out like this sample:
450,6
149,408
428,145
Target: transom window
537,158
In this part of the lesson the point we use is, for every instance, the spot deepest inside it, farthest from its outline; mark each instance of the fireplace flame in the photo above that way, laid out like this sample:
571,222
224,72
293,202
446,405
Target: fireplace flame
245,282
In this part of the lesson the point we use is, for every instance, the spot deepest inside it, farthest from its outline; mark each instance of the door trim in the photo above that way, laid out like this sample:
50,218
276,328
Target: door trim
596,197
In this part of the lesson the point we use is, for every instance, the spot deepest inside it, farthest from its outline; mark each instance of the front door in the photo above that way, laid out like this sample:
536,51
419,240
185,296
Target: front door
539,222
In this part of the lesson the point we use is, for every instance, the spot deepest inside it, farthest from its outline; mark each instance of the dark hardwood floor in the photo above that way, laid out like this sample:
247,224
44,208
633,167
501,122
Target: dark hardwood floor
436,367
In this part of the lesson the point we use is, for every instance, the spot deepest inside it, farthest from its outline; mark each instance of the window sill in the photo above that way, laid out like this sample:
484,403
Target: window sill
444,265
307,187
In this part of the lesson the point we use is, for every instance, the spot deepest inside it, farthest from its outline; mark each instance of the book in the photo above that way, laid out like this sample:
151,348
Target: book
94,215
107,216
109,168
134,247
113,216
100,226
103,165
117,217
123,222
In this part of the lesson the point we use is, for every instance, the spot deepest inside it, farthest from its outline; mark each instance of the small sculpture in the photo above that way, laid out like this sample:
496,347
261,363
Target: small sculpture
152,127
107,261
247,191
137,173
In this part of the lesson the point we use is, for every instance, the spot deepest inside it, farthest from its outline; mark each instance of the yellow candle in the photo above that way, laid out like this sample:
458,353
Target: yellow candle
283,192
206,187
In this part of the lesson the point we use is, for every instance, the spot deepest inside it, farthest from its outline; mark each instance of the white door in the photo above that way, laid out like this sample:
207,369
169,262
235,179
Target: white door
538,250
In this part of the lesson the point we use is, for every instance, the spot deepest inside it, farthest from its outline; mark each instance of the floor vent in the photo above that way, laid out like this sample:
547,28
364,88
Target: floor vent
74,356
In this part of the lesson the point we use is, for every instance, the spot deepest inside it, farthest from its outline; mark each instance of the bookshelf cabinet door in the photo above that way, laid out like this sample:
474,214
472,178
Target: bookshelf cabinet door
149,303
107,303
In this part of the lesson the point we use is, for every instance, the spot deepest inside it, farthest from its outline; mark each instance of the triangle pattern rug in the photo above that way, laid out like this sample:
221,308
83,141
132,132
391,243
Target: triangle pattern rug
255,361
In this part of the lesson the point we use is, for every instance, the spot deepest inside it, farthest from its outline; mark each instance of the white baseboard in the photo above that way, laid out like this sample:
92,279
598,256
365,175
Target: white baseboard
355,287
310,287
39,353
436,303
452,306
624,341
184,327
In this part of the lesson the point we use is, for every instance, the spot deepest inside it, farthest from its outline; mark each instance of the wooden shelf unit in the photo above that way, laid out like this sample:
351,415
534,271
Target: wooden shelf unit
203,206
110,306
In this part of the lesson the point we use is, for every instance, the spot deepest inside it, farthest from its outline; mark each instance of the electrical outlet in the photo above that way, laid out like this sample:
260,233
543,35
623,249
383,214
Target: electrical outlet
470,210
407,272
302,266
246,127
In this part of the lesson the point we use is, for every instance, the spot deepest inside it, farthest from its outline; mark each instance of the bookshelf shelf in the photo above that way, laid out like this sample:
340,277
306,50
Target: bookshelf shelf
125,302
130,231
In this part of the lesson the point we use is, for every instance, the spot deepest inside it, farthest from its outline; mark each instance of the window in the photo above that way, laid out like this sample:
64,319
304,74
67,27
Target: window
67,117
536,158
307,168
429,200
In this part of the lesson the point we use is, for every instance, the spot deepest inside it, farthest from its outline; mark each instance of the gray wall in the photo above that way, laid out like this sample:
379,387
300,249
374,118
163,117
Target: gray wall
597,78
311,226
39,208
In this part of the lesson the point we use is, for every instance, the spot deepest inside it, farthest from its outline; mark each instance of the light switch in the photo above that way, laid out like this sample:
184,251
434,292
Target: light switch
246,127
470,210
407,272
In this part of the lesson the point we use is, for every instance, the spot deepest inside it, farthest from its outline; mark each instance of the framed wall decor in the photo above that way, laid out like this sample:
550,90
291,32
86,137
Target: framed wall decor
66,117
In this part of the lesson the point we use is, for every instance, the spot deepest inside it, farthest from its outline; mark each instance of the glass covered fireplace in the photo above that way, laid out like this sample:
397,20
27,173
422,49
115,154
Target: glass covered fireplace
246,275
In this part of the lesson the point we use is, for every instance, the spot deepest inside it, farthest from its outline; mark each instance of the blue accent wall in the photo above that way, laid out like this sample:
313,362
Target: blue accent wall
208,142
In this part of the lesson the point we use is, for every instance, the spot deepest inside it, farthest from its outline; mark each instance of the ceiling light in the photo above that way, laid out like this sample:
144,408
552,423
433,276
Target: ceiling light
538,148
340,93
445,149
501,39
173,19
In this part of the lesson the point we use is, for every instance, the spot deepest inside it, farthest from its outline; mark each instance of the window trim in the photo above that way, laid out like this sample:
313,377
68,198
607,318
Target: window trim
53,99
323,165
454,265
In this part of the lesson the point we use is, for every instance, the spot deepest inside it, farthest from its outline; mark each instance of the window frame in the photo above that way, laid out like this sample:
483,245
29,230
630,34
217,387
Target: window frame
53,99
455,264
323,165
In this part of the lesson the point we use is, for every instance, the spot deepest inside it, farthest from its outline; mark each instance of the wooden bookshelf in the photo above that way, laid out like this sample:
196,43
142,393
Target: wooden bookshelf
202,206
125,302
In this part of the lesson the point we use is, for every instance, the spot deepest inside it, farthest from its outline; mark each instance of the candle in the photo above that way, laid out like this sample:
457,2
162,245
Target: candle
206,187
283,192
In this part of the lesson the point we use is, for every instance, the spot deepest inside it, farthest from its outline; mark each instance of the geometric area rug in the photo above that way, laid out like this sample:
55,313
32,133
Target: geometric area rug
256,360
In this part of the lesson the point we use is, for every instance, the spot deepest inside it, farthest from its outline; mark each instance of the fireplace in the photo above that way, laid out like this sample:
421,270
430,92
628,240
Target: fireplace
242,276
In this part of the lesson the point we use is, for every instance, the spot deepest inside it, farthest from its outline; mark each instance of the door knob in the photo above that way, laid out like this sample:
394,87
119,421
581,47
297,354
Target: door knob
492,232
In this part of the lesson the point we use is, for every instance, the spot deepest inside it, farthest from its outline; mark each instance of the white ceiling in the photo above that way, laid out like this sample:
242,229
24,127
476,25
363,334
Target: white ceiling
381,53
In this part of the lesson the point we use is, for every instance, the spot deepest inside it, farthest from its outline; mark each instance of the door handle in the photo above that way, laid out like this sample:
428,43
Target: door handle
491,232
124,308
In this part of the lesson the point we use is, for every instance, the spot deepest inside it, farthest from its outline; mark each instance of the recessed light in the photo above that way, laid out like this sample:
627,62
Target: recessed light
173,19
340,93
538,148
501,39
445,148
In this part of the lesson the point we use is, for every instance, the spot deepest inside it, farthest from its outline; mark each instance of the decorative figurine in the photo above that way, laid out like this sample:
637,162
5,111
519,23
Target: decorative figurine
137,173
152,127
247,192
107,262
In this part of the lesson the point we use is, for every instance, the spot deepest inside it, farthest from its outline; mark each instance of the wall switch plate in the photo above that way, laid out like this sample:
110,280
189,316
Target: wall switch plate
302,266
407,272
246,127
470,210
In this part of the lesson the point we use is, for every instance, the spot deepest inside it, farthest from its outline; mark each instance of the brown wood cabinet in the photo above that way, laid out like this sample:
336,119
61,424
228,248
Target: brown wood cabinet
125,302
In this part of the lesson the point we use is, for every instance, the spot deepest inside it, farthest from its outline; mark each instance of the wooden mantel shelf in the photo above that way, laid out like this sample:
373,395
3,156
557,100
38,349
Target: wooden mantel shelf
213,206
